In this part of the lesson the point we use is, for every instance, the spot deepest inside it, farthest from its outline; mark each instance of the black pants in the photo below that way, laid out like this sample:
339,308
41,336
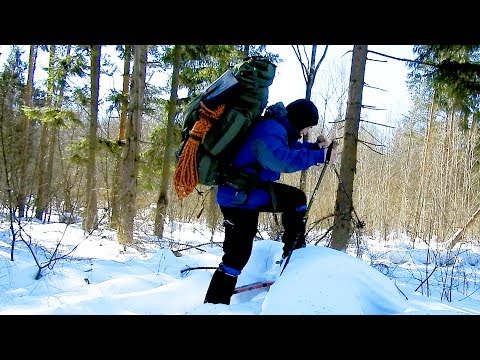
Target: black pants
240,229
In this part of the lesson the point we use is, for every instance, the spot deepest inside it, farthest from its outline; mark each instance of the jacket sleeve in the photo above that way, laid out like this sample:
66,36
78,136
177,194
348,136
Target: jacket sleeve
274,153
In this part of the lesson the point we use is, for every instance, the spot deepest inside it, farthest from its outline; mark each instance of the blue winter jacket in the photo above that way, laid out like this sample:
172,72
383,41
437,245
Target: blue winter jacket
272,147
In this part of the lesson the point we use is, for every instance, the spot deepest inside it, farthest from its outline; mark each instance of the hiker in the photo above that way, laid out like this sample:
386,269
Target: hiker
272,147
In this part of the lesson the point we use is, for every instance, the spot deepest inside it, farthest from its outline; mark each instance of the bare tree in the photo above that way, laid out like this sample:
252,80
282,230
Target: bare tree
128,185
425,170
309,71
342,226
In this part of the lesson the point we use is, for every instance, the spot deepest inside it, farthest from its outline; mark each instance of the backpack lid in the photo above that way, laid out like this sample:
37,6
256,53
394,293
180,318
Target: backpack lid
215,94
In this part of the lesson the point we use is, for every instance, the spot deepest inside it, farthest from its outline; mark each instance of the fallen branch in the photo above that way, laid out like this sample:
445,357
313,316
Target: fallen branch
460,232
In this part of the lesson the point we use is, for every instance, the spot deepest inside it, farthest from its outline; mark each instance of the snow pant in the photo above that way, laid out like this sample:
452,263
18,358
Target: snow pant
240,230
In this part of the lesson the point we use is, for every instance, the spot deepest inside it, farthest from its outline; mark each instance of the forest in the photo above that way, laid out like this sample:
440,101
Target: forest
110,163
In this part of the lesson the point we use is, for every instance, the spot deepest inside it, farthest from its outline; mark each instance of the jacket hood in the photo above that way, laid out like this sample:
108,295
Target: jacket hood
279,112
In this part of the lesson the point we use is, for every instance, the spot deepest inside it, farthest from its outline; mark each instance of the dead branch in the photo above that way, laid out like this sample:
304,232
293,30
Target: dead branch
371,107
198,246
371,122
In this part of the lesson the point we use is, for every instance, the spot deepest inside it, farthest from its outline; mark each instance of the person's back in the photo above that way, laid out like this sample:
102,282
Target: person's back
271,148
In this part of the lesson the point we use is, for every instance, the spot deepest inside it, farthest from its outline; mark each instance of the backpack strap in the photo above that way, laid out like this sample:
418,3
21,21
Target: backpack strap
239,178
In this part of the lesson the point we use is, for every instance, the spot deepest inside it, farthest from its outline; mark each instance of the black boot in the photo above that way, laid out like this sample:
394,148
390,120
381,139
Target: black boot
221,288
294,234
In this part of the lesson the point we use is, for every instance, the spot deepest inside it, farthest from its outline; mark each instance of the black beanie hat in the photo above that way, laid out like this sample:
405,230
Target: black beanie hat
302,113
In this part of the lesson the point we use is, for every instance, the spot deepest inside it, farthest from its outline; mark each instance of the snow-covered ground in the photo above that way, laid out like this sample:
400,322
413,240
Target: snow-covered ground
93,274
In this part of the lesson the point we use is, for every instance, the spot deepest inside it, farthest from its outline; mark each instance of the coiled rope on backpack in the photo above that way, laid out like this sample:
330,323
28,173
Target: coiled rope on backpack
186,174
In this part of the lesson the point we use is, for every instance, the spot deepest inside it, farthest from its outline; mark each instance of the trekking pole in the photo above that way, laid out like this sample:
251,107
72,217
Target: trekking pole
329,151
332,145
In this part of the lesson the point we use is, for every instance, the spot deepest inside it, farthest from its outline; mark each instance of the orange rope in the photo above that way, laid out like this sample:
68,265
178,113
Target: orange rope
186,174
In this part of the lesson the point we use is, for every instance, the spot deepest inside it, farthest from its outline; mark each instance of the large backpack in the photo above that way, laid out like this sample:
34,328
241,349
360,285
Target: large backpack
216,121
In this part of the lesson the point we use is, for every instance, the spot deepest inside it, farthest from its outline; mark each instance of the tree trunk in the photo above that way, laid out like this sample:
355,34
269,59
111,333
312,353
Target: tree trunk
91,215
342,225
121,135
166,169
57,100
128,185
25,145
41,198
308,95
126,83
424,173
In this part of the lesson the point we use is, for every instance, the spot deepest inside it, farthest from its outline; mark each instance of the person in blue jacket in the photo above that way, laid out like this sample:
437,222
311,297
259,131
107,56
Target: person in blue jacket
272,147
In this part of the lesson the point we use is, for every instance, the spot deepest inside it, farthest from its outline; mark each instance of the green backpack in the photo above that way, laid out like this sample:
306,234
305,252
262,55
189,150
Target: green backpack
216,121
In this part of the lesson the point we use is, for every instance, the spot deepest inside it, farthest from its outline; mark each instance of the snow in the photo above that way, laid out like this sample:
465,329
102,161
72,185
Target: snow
91,274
